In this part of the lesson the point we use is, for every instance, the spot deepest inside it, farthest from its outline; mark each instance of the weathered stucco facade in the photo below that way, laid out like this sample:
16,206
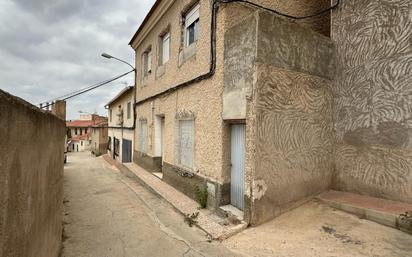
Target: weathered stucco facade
121,125
202,102
287,100
373,89
31,179
320,113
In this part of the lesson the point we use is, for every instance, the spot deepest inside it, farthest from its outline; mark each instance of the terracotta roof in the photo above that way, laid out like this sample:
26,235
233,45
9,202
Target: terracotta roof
80,123
146,19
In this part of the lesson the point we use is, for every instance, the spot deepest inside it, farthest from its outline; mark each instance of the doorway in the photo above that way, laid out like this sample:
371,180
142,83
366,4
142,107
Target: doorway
126,151
237,158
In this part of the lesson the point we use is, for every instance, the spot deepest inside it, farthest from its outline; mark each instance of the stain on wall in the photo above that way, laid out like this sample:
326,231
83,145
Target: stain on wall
239,74
294,140
373,103
31,179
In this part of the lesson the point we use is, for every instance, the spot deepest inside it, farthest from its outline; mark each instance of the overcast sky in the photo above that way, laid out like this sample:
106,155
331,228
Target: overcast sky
52,47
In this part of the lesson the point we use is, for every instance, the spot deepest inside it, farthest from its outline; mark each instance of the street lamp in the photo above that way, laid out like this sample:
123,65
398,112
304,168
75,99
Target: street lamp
108,56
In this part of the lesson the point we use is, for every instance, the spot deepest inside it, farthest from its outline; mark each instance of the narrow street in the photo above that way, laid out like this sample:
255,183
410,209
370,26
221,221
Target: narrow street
107,215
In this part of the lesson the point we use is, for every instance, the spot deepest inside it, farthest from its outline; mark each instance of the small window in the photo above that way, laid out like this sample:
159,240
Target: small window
186,143
143,136
192,25
75,131
109,144
81,131
85,131
165,48
147,62
129,110
110,115
81,143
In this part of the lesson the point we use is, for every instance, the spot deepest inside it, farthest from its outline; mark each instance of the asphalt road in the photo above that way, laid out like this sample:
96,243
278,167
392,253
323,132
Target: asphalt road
106,218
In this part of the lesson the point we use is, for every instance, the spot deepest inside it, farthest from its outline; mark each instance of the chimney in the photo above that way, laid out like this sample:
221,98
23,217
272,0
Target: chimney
59,109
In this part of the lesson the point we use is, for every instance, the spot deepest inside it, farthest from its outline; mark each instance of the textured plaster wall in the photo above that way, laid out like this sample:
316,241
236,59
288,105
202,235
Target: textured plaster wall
293,140
204,100
373,104
31,179
289,111
199,63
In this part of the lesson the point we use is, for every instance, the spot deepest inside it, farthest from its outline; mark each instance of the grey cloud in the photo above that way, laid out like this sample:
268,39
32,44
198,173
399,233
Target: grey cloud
51,47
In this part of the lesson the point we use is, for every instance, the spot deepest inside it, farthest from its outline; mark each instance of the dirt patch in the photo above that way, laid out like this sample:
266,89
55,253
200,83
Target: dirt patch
343,237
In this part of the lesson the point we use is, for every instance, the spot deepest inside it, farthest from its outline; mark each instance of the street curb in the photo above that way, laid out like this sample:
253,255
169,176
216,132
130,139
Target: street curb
125,171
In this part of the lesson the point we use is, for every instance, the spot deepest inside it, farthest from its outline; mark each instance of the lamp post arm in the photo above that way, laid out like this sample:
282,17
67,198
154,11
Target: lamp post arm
120,60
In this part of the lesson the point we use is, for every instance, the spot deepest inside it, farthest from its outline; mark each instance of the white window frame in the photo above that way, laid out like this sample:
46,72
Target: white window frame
192,18
165,48
186,159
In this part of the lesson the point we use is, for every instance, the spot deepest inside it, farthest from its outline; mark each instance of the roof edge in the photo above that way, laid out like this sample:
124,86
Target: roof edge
146,19
120,94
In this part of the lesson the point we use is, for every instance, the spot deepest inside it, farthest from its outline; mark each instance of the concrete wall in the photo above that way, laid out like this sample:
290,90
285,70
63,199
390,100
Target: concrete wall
31,179
289,155
373,98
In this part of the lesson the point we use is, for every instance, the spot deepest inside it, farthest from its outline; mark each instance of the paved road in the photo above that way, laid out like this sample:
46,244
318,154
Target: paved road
106,218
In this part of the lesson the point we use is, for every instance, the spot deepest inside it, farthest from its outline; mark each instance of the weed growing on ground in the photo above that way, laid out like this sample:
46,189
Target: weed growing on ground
201,195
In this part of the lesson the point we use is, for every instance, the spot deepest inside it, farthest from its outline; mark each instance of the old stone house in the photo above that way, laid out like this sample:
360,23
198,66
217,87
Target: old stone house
79,134
99,138
267,111
121,126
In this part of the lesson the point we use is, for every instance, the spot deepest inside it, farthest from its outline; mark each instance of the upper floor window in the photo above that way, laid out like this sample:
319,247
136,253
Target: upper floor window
192,25
165,48
147,62
110,115
75,131
129,110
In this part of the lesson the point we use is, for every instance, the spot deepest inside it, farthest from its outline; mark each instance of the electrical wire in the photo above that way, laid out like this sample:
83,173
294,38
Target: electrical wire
87,89
280,13
212,68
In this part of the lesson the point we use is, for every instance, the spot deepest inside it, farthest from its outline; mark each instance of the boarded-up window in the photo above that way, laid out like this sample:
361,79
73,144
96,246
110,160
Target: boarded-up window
143,136
186,143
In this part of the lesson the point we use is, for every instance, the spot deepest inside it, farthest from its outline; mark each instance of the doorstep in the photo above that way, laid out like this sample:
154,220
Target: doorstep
382,211
206,219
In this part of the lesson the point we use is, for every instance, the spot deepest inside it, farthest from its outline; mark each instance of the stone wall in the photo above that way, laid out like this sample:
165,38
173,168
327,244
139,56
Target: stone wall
31,179
373,103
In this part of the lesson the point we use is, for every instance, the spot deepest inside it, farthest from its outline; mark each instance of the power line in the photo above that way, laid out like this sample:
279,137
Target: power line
85,90
280,13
